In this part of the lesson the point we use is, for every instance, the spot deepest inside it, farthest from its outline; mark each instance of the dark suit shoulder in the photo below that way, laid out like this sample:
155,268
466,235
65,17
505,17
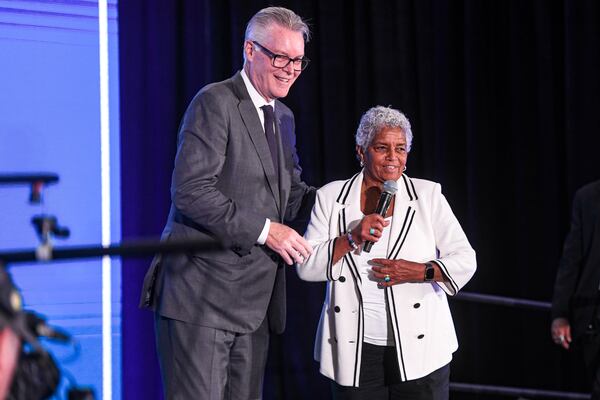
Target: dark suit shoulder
218,97
224,91
282,109
589,192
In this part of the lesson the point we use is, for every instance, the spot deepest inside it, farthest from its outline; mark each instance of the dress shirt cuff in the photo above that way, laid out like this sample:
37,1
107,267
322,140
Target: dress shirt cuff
265,232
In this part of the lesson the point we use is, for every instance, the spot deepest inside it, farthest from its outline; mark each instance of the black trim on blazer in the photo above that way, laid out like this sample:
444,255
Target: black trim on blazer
394,320
412,217
413,188
329,270
410,190
401,232
352,264
342,228
445,270
406,225
359,334
346,188
410,196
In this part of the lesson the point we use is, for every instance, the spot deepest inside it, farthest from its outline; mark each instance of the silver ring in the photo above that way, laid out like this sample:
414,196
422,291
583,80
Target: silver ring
561,338
372,231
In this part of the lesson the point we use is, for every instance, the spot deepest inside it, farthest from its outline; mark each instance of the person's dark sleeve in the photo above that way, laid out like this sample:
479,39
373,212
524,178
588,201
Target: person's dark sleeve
570,265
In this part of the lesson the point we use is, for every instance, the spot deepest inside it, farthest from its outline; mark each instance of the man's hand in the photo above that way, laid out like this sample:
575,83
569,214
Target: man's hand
561,332
288,244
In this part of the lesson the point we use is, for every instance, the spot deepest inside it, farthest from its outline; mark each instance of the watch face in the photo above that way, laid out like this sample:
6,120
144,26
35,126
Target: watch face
429,272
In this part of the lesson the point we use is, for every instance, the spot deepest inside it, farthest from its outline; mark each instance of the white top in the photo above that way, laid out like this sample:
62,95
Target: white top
378,328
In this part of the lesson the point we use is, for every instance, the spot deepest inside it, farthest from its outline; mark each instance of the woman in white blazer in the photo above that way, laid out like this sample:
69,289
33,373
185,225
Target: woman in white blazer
385,330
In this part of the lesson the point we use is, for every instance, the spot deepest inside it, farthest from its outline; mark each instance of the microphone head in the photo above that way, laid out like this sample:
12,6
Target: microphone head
390,187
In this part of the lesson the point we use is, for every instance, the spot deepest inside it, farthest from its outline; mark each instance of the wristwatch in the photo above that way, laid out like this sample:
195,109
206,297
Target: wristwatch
429,272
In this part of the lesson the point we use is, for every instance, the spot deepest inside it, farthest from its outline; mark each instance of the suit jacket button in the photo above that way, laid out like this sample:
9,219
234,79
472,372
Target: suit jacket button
417,305
237,248
336,309
421,336
342,279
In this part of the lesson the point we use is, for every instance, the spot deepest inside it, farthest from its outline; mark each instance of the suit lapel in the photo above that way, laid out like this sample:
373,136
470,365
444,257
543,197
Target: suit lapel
257,135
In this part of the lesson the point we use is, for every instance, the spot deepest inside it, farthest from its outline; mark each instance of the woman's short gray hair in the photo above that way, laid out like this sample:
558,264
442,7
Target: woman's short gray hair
378,118
262,20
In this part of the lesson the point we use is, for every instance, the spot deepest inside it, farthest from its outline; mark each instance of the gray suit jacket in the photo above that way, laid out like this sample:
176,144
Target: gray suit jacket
224,186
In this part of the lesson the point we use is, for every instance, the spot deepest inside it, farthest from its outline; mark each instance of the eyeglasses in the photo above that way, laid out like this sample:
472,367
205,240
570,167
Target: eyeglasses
281,61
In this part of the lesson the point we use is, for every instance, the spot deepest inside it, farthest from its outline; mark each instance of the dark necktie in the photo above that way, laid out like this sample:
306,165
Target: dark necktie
270,132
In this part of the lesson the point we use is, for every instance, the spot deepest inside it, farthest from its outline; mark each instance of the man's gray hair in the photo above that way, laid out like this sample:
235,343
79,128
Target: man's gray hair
262,20
378,118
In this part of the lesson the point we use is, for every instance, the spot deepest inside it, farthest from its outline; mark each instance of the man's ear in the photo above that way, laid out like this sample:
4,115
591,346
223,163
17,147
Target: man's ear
248,50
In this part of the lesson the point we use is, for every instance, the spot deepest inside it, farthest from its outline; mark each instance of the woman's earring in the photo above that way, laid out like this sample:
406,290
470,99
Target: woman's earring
404,168
362,163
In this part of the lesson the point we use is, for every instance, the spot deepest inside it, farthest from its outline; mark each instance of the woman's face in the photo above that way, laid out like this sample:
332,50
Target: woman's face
386,156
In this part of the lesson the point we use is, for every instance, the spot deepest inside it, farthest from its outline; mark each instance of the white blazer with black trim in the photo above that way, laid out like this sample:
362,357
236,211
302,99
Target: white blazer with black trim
423,229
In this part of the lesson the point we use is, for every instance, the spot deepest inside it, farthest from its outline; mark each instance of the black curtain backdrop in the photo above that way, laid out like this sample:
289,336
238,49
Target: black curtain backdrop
504,99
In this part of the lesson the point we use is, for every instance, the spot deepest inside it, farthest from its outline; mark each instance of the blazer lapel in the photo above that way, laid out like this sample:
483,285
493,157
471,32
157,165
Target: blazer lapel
404,212
349,202
257,135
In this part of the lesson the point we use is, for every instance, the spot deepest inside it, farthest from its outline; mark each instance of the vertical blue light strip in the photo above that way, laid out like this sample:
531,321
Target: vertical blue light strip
106,228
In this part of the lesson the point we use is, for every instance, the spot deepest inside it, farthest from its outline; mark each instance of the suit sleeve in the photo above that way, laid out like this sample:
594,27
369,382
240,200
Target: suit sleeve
456,257
570,265
201,154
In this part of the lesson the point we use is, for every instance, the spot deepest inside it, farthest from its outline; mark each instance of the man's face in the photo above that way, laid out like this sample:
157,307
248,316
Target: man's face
271,82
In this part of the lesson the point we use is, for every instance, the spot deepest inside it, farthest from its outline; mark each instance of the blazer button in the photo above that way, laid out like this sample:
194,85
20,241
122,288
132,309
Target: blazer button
421,336
336,309
342,279
417,305
237,248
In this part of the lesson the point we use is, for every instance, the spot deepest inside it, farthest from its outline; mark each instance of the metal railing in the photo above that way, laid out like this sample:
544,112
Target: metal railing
507,390
146,247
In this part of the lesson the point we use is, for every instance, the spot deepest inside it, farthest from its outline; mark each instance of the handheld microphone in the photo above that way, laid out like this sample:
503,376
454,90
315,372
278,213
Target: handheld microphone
39,327
389,190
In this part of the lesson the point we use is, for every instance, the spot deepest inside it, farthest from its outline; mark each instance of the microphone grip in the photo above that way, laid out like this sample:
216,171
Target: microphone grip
384,203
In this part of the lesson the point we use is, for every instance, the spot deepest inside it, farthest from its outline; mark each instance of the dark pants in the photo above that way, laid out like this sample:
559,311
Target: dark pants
588,343
591,356
197,362
380,379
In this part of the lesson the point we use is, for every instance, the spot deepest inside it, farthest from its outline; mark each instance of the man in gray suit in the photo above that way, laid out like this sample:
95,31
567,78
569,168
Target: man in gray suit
236,179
